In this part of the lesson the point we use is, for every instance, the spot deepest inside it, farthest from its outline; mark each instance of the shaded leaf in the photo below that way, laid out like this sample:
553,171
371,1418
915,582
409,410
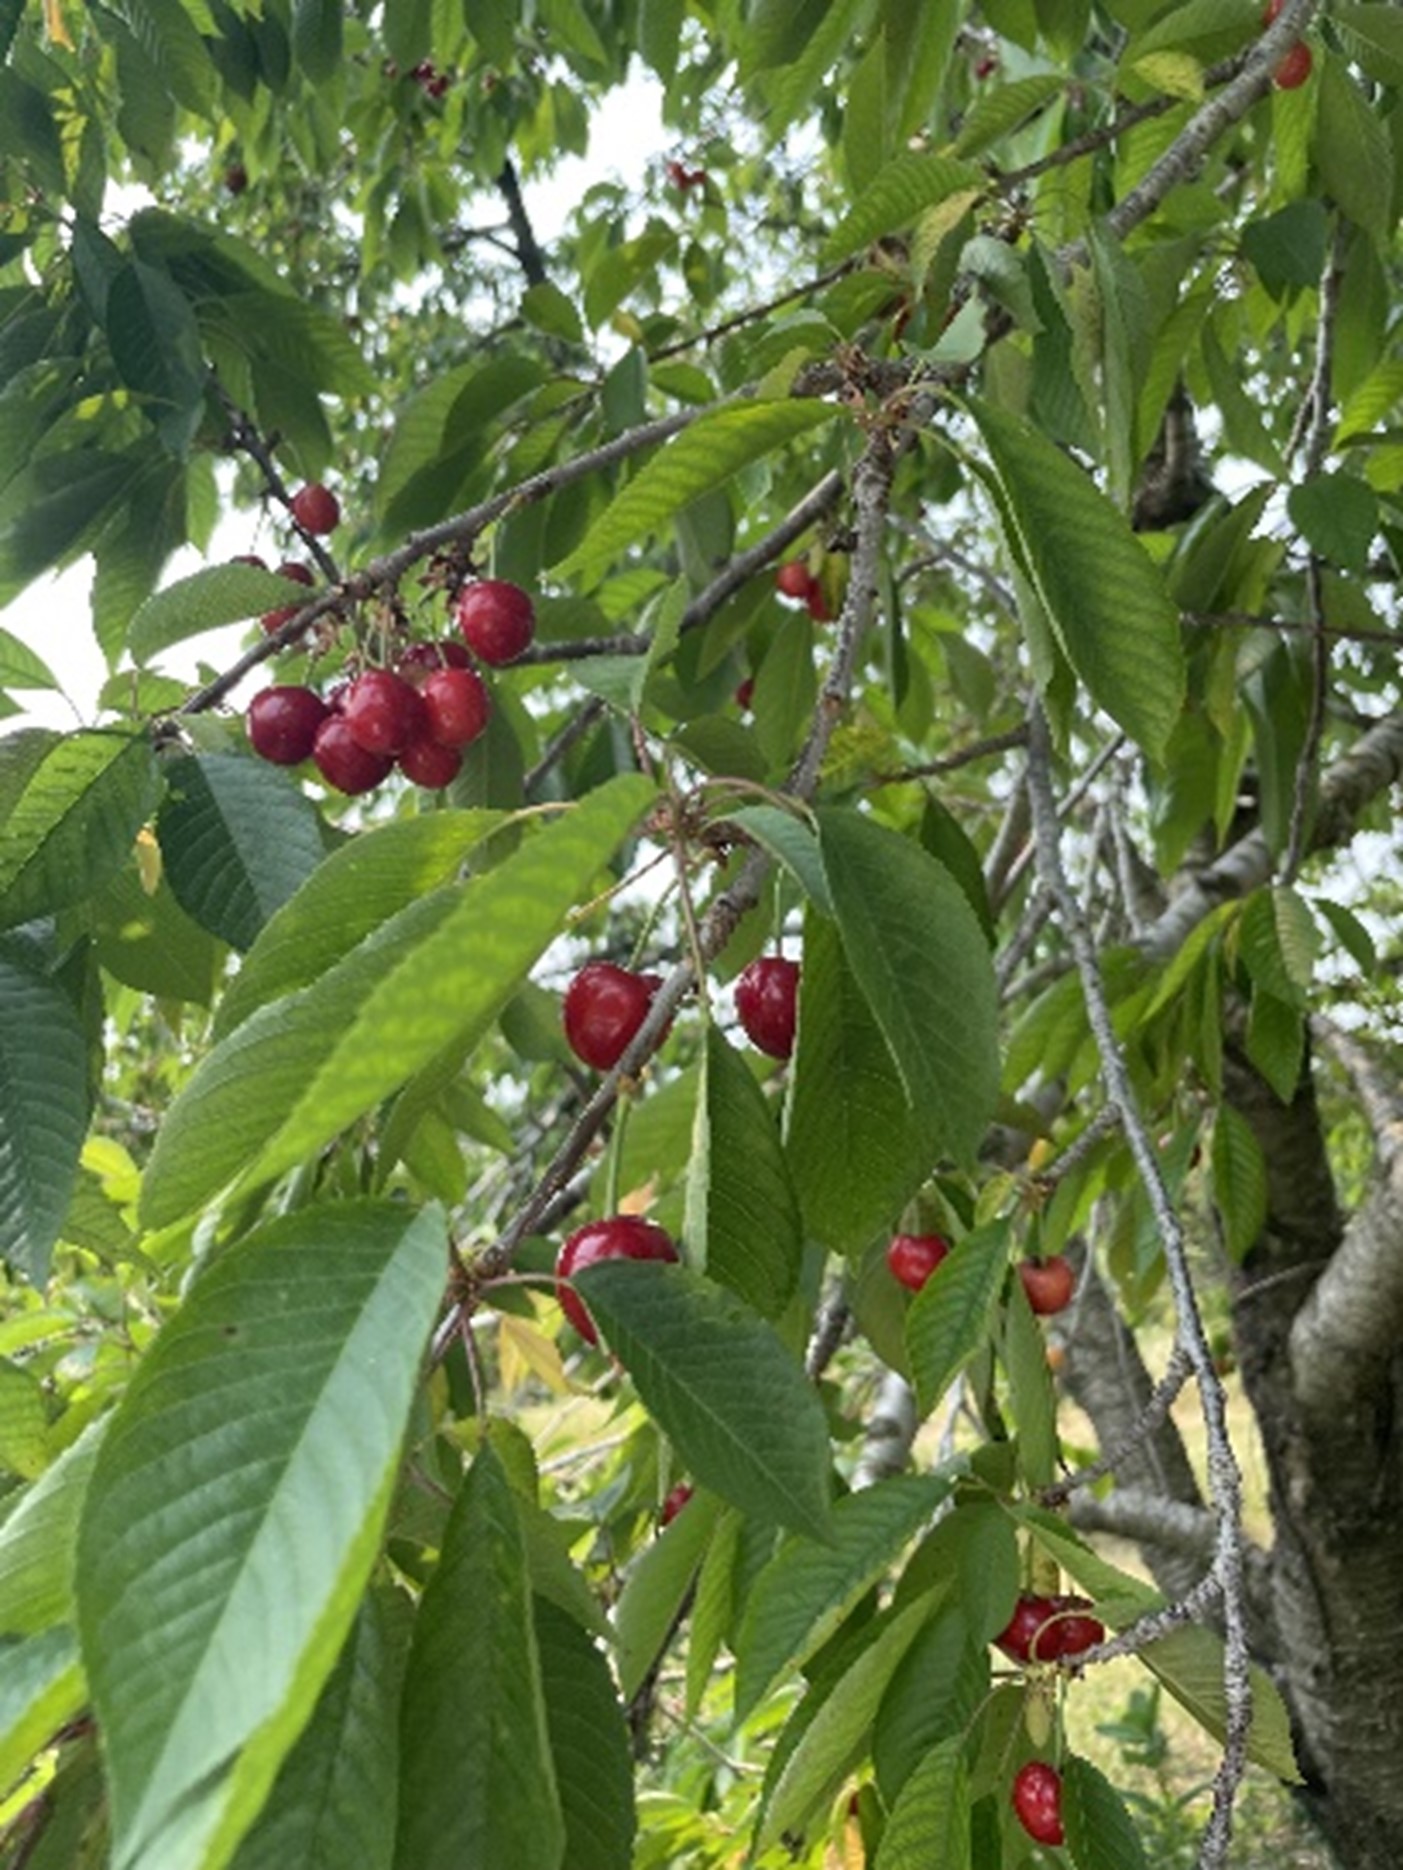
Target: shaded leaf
590,1745
478,1785
742,1214
952,1314
38,1541
804,1594
656,1588
895,197
720,1384
205,600
44,1105
41,1687
1100,1833
1101,591
238,837
920,956
929,1826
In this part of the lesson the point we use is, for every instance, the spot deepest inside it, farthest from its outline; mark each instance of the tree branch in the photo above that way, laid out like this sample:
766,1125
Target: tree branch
1190,1334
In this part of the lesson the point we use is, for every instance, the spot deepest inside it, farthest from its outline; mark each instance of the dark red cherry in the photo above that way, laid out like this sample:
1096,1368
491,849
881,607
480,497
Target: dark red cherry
1037,1801
429,763
457,706
624,1237
316,508
674,1503
283,723
603,1008
343,762
912,1258
1048,1283
497,619
767,994
383,712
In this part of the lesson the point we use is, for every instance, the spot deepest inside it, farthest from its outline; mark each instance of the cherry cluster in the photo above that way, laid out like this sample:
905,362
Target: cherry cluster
794,579
684,178
419,715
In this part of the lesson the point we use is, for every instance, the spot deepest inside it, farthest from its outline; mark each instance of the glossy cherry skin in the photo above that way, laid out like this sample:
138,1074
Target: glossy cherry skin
384,713
624,1237
1048,1283
316,508
457,705
767,999
1037,1801
817,603
912,1258
297,574
428,763
283,723
794,579
1023,1636
1294,68
497,619
674,1503
419,661
603,1008
1074,1632
343,762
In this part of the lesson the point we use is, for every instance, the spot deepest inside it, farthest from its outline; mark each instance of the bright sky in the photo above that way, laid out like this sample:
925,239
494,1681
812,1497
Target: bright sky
52,616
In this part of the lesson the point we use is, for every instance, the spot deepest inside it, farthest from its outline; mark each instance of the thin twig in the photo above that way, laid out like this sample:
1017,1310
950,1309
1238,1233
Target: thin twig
952,762
1317,443
1190,1334
1160,1401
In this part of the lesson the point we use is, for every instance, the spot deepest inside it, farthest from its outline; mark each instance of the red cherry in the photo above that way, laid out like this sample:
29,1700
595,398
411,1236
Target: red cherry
316,508
793,579
343,762
818,604
1022,1638
249,558
677,174
767,994
1037,1801
986,67
603,1008
283,723
745,694
1048,1283
674,1503
496,618
457,705
384,713
694,178
419,660
1072,1633
624,1237
1273,7
914,1257
236,178
299,574
428,763
1294,69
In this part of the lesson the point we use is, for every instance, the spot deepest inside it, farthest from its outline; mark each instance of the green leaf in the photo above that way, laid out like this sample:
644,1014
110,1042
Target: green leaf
1100,1833
1352,149
807,1590
590,1745
720,1384
238,837
1005,108
708,454
790,841
1101,591
41,1687
204,601
901,192
742,1214
1350,932
837,1735
1189,1661
939,1687
333,1802
23,1422
44,1106
347,897
145,940
37,1541
655,1590
477,1784
1034,1406
20,667
547,308
713,1606
231,1522
73,821
929,1824
316,41
660,34
951,1316
1376,28
1338,515
155,344
917,950
293,1075
1276,1041
166,34
857,1147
